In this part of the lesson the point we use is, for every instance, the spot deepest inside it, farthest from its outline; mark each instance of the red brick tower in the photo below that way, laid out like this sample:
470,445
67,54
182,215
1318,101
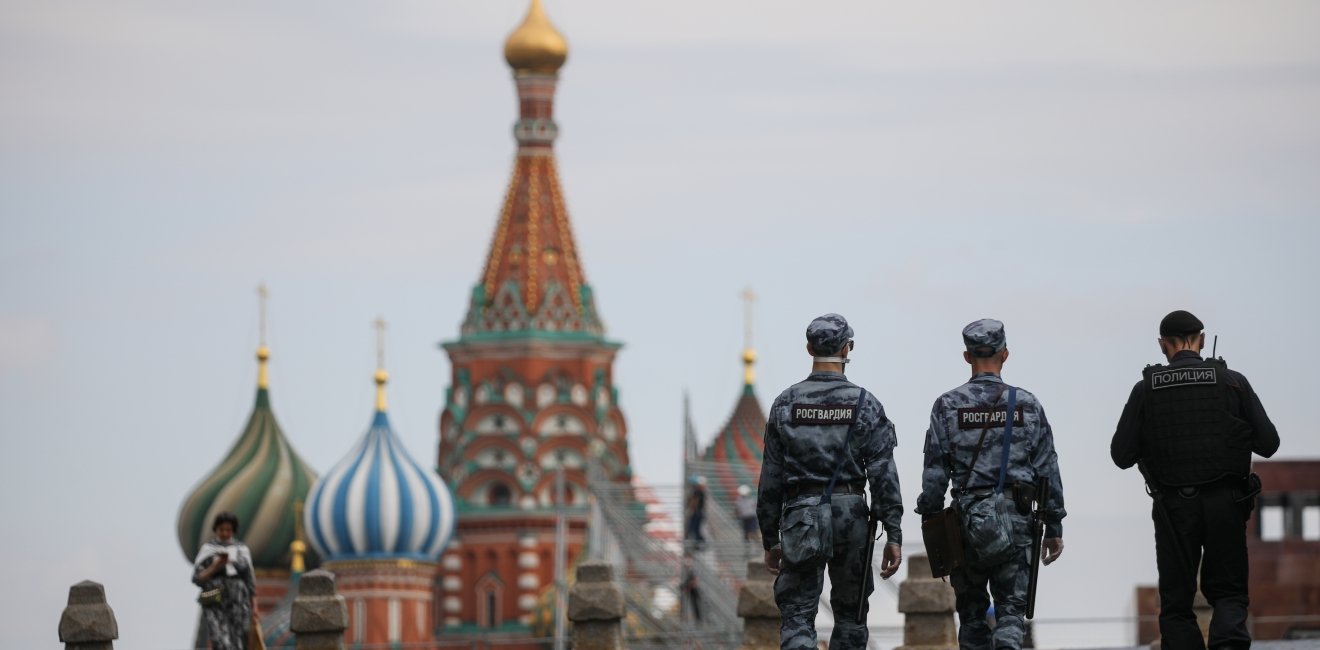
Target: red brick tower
532,384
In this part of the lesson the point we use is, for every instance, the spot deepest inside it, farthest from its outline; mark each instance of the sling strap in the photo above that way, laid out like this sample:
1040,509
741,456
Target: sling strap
843,453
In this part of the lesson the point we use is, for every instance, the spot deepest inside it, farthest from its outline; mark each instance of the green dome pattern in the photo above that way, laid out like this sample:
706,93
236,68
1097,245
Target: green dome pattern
261,480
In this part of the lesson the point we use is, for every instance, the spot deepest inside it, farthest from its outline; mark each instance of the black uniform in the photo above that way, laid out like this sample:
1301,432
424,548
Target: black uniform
1193,426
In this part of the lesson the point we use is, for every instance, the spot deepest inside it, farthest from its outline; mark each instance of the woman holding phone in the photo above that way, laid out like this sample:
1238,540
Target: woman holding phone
223,569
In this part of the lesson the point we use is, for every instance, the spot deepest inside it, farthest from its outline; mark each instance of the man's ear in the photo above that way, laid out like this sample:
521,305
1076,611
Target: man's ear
967,356
810,351
1200,342
1004,356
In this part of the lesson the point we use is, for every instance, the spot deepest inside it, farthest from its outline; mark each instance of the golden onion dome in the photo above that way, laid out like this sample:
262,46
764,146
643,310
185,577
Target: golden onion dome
536,46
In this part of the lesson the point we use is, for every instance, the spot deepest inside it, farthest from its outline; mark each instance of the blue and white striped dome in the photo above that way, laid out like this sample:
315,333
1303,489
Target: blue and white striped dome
378,503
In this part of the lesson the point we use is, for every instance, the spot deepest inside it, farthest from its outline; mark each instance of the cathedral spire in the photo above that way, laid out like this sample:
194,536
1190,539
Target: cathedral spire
382,404
533,283
263,352
749,353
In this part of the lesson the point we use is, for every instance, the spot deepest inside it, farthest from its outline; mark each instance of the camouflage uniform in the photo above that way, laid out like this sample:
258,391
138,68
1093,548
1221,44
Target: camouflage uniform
800,455
950,446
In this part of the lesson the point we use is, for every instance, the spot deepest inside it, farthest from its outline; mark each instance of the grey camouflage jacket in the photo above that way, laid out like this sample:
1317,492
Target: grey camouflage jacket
956,421
808,453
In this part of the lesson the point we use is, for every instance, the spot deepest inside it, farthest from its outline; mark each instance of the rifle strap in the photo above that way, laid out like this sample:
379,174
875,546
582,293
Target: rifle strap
1008,438
971,469
843,453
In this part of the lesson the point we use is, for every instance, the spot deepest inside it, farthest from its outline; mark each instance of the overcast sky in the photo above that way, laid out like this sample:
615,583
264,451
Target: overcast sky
1074,169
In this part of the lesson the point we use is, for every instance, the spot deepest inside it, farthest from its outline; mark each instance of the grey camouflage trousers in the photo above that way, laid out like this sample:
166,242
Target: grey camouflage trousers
1007,584
797,591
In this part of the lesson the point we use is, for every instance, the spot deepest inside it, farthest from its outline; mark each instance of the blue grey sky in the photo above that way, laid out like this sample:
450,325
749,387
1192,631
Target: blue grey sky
1075,169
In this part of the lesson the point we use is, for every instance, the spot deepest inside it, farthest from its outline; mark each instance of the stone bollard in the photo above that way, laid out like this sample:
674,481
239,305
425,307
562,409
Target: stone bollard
88,623
756,606
595,605
319,615
928,606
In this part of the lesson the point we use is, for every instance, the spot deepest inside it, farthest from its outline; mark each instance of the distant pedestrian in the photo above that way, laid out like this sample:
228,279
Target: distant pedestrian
224,567
745,508
695,511
691,588
1191,427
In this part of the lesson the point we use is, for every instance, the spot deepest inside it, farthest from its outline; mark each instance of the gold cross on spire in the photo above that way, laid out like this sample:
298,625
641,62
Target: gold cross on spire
263,295
380,340
748,297
749,354
381,375
263,352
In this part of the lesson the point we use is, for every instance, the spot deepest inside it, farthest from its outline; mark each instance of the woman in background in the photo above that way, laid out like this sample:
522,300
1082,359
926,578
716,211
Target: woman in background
225,563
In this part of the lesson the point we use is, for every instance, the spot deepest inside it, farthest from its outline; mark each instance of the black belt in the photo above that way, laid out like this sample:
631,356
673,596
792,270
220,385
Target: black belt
1193,491
1027,491
800,489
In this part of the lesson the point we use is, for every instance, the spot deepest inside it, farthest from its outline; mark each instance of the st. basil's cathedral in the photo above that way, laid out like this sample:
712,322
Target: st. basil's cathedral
530,430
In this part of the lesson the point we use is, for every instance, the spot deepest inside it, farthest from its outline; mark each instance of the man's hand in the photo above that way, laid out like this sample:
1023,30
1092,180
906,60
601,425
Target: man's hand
772,558
1051,549
892,557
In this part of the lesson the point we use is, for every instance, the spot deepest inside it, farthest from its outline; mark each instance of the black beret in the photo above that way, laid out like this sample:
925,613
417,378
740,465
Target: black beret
1180,323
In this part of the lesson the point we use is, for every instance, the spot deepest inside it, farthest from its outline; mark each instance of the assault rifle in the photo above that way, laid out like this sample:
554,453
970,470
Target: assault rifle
1037,541
867,568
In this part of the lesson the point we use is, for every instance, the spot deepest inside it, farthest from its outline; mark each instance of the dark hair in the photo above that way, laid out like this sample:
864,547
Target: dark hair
815,352
1185,340
226,517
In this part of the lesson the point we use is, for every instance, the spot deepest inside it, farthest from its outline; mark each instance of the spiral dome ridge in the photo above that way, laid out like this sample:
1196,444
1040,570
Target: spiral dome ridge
378,503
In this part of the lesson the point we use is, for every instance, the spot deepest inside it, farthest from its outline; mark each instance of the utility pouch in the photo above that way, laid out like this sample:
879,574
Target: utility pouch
806,532
942,532
989,531
1251,487
1024,495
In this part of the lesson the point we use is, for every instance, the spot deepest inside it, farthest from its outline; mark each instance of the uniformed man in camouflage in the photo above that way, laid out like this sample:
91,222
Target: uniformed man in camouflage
802,448
956,423
1193,425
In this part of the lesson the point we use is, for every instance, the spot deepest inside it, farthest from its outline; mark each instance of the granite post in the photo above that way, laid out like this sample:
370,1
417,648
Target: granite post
319,615
756,606
595,606
88,623
928,606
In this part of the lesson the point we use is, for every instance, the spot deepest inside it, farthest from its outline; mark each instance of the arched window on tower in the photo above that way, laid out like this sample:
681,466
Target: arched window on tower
499,494
489,592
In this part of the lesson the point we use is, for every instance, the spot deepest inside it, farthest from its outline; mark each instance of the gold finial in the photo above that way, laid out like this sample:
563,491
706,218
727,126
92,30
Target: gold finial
298,547
749,354
536,46
263,352
381,375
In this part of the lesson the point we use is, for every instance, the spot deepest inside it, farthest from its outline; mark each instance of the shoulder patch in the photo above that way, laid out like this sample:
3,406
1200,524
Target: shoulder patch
1175,377
978,417
823,413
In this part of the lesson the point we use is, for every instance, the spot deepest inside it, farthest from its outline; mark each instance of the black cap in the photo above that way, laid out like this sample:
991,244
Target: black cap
1180,323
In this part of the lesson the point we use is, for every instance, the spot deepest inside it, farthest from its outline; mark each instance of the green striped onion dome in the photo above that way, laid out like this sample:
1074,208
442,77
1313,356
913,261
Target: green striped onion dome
261,480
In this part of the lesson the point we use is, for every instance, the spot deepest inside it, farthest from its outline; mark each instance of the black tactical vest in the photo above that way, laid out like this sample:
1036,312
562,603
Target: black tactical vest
1188,434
